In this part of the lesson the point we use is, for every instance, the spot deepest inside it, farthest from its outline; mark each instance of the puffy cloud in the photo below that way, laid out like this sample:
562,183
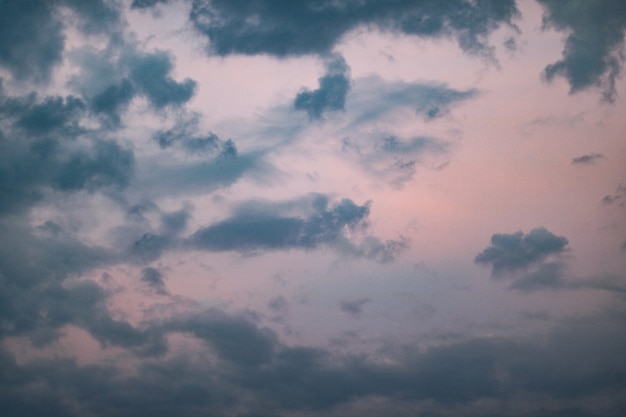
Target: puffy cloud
591,56
150,73
312,27
517,251
111,78
332,91
30,167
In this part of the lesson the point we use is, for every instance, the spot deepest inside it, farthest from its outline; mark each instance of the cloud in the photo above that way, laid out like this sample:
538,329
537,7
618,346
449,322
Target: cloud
150,73
305,223
591,57
313,27
38,300
145,4
154,279
268,229
391,158
38,153
242,368
374,98
184,135
588,159
332,91
29,53
617,197
355,306
517,251
549,275
111,78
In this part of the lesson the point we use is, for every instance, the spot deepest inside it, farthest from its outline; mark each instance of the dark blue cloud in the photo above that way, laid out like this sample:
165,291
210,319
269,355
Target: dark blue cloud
150,73
332,91
283,28
517,251
145,4
44,147
251,371
110,79
591,57
251,230
31,38
306,223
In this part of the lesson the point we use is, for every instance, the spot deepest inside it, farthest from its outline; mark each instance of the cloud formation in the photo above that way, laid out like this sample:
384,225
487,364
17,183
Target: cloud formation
305,223
517,251
332,91
593,53
312,27
588,159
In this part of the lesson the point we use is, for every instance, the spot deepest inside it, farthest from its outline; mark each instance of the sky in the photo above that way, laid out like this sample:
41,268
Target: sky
275,208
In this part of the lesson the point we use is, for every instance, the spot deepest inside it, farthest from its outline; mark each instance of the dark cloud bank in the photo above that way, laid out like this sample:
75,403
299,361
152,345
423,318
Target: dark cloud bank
252,373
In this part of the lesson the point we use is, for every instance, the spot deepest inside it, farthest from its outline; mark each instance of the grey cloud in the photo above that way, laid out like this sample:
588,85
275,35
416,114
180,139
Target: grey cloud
43,147
53,113
145,4
184,134
252,229
314,27
150,73
391,158
617,197
332,91
587,159
251,372
31,39
160,177
113,99
154,279
306,223
107,164
517,251
97,16
591,56
36,299
32,36
111,78
30,168
549,275
373,98
355,306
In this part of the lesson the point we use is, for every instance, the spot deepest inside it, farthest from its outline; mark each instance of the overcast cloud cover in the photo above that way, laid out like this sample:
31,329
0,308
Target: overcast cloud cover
263,208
